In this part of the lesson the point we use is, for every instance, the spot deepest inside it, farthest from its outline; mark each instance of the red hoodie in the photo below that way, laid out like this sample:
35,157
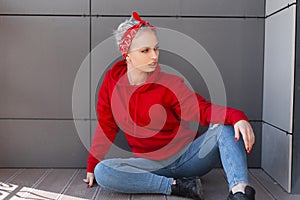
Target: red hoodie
154,116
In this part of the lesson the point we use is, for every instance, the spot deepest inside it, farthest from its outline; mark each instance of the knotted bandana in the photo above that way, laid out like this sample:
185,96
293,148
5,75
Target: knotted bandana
130,33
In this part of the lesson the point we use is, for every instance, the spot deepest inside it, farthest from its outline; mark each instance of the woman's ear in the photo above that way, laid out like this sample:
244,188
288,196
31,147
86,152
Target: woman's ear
127,58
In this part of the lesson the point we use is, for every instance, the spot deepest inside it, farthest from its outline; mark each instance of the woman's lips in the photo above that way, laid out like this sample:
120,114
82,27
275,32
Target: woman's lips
153,64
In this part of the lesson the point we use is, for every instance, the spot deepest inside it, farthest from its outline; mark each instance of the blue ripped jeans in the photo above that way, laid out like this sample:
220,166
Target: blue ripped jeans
139,175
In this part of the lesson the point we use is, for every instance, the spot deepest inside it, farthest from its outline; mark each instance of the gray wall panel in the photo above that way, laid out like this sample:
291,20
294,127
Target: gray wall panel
275,5
277,155
35,143
39,60
239,67
44,7
144,7
223,8
104,52
254,158
279,69
236,47
296,124
180,7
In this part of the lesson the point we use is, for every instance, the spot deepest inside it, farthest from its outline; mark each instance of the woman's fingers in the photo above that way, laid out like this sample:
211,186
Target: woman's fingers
244,128
89,179
236,133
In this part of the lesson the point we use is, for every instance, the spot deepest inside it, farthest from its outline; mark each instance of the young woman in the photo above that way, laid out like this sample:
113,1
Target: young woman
154,109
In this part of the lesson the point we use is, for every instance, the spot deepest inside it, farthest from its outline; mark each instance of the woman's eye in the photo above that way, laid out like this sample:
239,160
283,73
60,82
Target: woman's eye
145,50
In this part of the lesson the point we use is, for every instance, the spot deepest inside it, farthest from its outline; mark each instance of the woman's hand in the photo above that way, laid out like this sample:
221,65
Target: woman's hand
89,179
243,127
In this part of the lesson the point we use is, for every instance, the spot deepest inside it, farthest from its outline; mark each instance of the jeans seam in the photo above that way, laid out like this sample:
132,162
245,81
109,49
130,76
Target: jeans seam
231,168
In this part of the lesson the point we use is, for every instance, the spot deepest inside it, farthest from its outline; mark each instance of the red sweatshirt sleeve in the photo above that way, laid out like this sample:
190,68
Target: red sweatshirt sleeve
191,106
106,129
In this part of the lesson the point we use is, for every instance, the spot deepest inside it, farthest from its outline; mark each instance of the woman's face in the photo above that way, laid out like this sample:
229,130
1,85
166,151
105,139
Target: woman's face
143,52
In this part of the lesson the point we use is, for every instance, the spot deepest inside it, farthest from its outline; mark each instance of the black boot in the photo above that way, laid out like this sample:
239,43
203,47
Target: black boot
188,187
249,194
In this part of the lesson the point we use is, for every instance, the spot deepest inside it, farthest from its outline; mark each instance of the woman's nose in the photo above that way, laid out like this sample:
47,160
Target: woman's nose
154,53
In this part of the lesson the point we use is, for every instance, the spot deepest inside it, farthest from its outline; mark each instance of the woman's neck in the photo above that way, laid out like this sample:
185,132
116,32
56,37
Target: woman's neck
136,77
